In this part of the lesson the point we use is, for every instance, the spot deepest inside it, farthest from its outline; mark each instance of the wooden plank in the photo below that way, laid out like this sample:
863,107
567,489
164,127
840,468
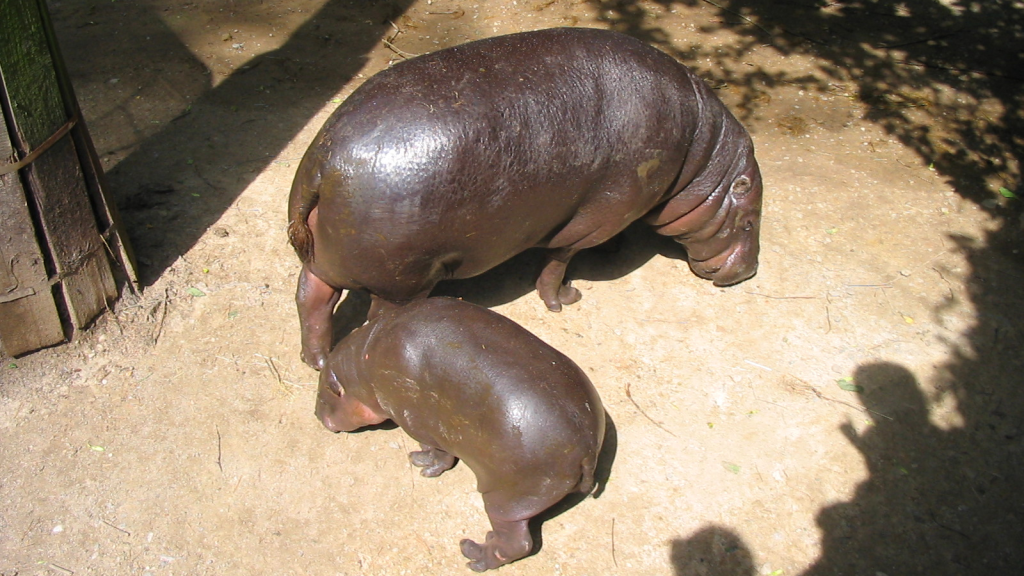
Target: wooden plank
29,319
107,216
55,180
58,188
28,74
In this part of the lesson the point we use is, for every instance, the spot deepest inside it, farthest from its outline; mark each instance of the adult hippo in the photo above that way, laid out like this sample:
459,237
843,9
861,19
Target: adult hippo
446,165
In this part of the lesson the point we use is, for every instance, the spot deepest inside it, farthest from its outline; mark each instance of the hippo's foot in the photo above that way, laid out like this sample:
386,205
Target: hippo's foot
315,300
569,295
565,295
433,461
509,542
314,358
552,291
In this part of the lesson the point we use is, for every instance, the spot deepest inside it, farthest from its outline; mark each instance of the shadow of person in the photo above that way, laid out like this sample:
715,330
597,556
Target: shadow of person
926,507
712,551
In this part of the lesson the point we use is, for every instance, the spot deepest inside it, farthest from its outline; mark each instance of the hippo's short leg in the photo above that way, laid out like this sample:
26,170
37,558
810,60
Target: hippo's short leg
509,541
549,284
434,461
316,301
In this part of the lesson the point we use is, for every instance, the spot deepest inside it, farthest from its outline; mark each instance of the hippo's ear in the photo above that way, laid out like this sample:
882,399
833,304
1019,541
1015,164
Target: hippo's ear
332,382
740,186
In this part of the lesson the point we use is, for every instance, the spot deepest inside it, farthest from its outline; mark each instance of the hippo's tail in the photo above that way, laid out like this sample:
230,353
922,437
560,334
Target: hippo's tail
302,201
586,485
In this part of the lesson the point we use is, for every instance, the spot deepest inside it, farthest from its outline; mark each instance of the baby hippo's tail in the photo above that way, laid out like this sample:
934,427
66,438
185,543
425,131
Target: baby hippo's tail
304,198
586,485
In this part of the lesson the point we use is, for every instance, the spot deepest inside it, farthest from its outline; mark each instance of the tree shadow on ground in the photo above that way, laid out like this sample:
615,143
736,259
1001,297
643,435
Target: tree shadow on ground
180,180
942,77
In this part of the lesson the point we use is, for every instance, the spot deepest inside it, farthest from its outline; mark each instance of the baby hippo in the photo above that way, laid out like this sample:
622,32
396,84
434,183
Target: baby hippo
471,384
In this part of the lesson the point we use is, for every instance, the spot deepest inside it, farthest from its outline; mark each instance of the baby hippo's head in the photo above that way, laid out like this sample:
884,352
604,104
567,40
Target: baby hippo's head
338,411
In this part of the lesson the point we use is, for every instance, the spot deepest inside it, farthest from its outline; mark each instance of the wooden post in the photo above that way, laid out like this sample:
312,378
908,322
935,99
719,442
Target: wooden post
60,234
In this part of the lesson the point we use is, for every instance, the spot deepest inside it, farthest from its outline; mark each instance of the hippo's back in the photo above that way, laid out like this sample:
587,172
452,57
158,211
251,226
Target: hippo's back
450,163
484,389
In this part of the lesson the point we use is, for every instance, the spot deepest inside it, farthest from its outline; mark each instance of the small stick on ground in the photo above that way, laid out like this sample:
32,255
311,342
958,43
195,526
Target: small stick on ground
991,73
163,314
821,396
949,286
121,530
886,285
389,43
653,421
828,313
919,40
614,561
735,13
785,297
398,50
220,465
455,13
951,529
761,366
118,322
61,568
273,370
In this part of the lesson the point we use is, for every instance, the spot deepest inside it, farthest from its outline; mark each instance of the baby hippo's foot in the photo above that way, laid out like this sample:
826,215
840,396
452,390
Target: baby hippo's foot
434,461
509,542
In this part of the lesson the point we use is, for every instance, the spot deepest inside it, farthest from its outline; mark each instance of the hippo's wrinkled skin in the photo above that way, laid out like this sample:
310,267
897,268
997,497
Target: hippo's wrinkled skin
471,384
448,164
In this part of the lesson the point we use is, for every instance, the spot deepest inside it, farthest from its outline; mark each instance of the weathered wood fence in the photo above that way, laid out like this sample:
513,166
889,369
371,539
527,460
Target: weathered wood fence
63,253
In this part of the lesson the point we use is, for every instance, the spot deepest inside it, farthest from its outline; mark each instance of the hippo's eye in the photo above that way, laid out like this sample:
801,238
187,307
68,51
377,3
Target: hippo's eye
748,226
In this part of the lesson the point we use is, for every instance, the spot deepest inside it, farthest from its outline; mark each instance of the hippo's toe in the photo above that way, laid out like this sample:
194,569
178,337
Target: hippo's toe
433,461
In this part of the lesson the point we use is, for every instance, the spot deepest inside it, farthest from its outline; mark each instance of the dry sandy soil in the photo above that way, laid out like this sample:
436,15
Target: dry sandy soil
855,408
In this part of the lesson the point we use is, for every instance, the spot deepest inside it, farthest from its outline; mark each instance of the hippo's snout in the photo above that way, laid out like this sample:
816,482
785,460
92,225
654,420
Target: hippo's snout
735,276
731,267
324,411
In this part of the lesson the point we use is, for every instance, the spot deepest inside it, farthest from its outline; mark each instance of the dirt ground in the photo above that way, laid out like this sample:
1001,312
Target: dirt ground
855,408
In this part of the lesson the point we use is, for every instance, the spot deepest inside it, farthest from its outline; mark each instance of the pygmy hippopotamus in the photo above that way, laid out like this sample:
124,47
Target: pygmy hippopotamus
445,165
471,384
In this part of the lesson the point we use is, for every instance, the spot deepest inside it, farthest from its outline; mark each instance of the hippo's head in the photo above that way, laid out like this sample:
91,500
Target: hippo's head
723,245
330,404
338,411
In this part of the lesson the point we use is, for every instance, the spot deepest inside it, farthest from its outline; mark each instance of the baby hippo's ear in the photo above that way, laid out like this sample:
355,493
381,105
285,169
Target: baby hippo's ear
740,186
331,379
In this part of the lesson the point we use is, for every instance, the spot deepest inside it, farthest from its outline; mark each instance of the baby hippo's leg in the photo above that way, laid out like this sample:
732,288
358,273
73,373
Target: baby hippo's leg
434,461
509,541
